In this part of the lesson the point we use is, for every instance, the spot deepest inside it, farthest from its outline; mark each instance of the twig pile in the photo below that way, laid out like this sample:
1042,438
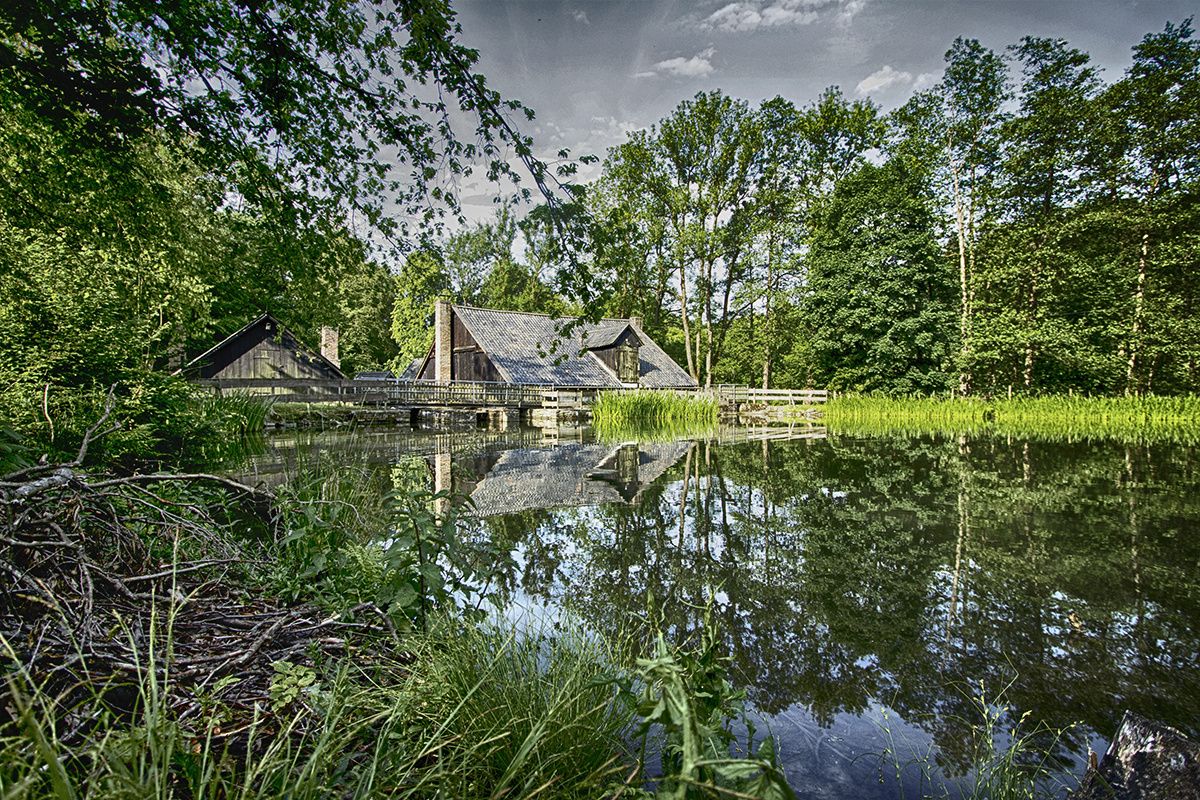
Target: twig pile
109,582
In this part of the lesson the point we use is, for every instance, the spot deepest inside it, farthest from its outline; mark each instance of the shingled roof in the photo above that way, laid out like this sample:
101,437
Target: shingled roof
528,348
560,477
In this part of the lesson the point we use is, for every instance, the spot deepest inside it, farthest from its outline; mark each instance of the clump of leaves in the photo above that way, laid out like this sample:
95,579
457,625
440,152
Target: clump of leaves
289,683
685,700
12,452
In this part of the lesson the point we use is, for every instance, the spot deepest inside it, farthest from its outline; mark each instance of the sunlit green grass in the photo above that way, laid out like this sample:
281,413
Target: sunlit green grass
1131,419
645,408
475,713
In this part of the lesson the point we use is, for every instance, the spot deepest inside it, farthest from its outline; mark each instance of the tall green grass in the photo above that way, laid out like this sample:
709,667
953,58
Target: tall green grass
482,712
523,712
644,407
1141,419
1008,757
237,412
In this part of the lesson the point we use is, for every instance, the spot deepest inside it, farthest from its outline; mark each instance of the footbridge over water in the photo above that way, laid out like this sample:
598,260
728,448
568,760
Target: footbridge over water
463,394
427,394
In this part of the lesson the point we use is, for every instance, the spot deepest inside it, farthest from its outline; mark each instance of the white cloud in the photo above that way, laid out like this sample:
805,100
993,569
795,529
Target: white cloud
610,129
697,65
581,16
848,9
883,78
751,15
926,80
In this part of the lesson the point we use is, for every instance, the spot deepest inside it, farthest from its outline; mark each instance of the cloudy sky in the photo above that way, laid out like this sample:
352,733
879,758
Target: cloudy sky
593,70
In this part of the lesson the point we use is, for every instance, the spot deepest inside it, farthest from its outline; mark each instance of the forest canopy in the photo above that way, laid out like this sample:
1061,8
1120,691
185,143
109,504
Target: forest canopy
170,171
1036,231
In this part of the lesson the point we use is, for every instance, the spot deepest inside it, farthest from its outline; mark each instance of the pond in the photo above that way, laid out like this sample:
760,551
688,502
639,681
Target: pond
871,588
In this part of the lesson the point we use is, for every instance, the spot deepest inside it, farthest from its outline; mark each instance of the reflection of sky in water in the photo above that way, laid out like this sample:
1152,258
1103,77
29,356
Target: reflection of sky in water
1015,596
851,581
855,757
849,758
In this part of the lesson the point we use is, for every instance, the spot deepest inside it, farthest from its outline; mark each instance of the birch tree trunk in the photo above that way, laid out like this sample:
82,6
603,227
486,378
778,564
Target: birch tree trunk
964,325
683,314
1139,302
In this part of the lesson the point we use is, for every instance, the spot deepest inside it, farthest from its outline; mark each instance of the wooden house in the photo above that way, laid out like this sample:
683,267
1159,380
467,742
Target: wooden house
565,476
489,345
264,350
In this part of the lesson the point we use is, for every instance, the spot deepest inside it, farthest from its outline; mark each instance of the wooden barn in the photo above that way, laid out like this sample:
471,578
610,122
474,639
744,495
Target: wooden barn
265,350
479,344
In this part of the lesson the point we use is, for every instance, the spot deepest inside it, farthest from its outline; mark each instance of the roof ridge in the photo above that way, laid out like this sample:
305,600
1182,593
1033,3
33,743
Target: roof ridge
534,313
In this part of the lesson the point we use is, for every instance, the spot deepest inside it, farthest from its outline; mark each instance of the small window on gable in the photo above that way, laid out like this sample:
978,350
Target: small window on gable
627,363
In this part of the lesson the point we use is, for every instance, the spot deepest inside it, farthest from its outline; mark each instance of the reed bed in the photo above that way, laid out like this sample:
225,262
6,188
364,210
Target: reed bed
643,407
1128,419
237,412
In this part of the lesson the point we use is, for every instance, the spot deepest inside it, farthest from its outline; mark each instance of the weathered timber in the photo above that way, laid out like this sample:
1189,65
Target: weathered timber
410,393
728,394
264,349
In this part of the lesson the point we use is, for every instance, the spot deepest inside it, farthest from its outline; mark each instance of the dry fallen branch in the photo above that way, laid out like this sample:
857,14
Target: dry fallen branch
99,573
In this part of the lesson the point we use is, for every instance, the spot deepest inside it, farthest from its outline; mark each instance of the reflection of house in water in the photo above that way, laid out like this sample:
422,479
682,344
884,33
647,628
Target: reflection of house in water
558,477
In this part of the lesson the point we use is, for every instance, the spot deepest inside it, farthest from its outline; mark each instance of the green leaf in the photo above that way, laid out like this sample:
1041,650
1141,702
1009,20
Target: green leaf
406,596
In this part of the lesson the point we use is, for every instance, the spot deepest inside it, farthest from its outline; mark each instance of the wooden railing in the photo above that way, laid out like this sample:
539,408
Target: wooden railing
728,393
476,394
391,392
767,433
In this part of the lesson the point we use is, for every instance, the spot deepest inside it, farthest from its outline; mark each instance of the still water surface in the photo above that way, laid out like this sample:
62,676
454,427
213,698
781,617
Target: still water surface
870,587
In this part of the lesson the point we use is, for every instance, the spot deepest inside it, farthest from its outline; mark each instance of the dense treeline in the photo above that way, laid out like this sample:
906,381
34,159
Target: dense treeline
1021,227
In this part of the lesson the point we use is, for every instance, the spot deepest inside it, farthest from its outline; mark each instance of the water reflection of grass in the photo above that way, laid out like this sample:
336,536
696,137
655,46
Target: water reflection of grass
653,408
1008,757
1058,418
650,432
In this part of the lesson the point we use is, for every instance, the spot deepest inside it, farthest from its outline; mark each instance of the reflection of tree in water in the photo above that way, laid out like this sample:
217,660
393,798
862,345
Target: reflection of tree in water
908,570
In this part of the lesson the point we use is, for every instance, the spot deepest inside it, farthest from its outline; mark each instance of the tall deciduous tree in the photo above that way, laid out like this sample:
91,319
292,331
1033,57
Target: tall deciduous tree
880,298
951,136
366,302
1044,156
422,279
696,169
470,255
1045,141
1157,106
806,152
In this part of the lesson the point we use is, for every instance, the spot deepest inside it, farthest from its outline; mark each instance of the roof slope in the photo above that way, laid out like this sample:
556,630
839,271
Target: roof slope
240,342
558,477
527,348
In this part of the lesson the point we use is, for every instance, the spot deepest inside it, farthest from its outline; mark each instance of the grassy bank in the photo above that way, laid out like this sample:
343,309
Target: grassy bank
1142,419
